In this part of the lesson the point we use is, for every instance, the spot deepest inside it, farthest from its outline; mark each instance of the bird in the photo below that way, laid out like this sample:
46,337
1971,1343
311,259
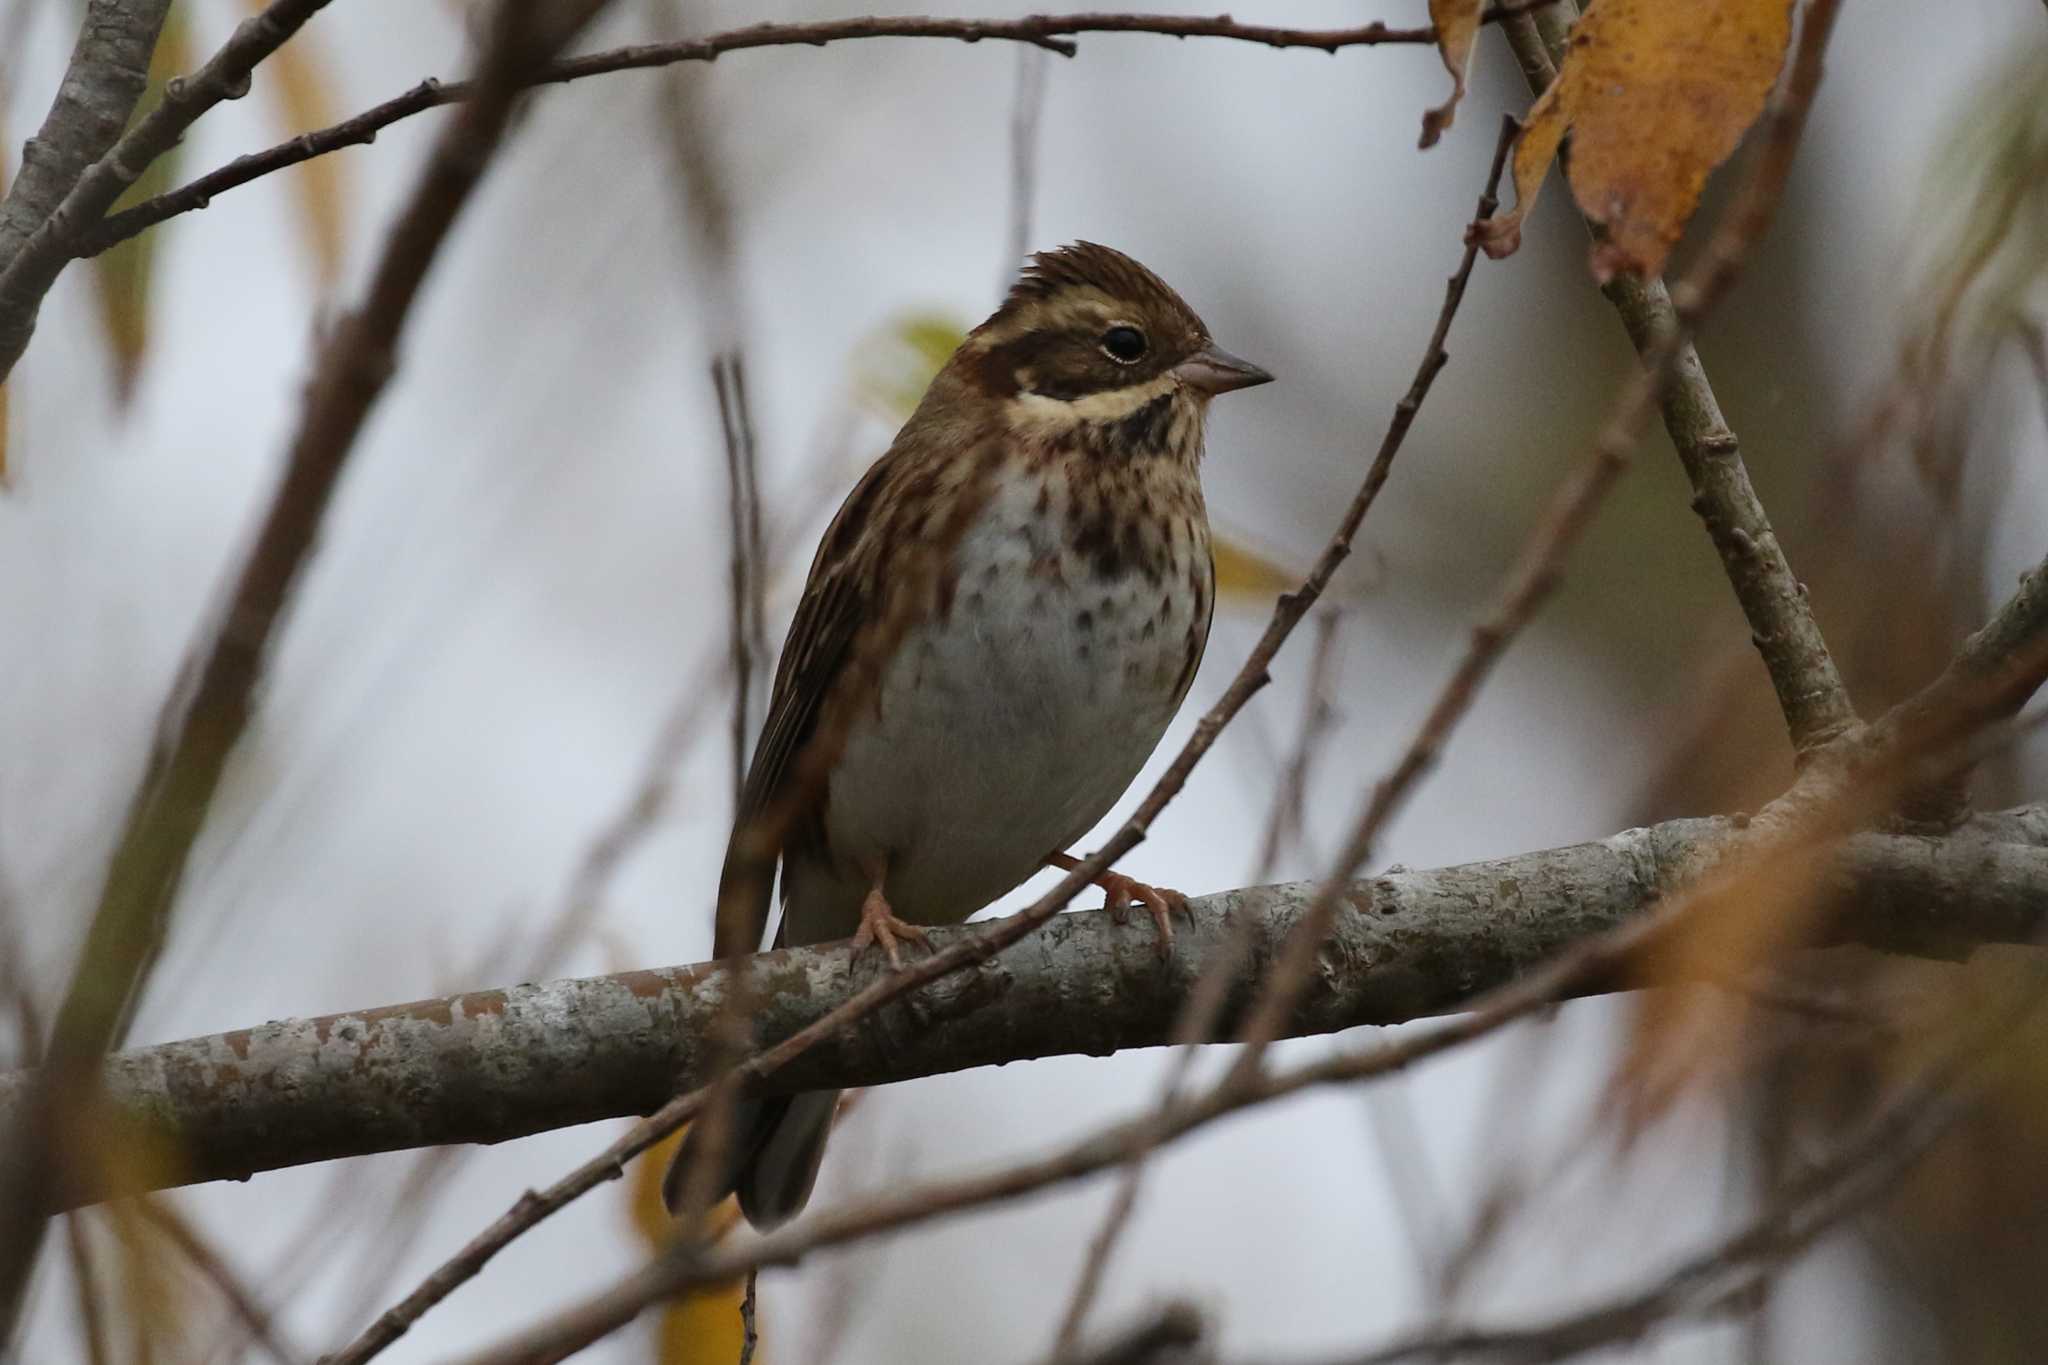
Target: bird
997,627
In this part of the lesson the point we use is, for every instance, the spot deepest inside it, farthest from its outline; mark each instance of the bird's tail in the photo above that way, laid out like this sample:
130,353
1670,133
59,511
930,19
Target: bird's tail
771,1157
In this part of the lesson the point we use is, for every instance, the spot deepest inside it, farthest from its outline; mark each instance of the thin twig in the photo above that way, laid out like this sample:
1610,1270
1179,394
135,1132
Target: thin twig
743,506
1048,31
750,1328
1205,1004
1025,111
1284,821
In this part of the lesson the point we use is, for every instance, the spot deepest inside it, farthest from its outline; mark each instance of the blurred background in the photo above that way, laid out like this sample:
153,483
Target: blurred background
517,622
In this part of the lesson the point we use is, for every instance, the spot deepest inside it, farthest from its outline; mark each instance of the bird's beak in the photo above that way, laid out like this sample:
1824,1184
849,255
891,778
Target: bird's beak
1213,370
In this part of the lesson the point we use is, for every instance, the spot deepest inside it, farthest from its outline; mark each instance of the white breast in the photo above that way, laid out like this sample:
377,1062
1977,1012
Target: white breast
1007,727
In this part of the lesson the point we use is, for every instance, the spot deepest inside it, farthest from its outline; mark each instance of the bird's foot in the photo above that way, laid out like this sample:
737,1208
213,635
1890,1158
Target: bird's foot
879,925
1119,891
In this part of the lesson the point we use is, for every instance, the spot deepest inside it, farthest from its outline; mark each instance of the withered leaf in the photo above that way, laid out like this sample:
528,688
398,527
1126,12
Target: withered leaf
1655,95
1457,26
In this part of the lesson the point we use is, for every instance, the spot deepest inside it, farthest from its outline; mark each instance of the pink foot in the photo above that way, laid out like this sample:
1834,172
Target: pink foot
878,924
1118,891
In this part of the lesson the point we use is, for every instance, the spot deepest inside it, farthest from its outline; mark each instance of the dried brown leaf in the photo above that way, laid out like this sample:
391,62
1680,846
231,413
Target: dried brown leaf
1457,26
1655,96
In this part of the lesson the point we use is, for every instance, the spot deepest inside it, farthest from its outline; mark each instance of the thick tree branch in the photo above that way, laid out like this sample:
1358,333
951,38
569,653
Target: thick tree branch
499,1064
1810,693
1049,31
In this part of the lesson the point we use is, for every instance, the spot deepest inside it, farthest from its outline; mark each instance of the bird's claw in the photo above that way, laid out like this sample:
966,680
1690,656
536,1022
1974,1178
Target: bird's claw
1118,891
879,925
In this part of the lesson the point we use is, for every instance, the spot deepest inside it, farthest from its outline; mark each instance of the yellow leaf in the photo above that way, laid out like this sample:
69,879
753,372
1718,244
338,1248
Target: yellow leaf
1655,94
1241,572
1457,25
912,350
304,95
702,1328
122,275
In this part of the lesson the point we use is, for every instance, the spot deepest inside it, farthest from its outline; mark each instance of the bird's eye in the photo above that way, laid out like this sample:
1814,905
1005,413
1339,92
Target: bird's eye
1124,345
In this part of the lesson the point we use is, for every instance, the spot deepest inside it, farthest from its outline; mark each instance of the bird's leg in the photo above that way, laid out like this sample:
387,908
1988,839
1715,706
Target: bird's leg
1118,891
878,923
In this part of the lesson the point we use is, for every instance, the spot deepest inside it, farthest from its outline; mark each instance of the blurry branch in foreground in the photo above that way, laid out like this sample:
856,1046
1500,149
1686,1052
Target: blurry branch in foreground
1725,1277
202,721
499,1064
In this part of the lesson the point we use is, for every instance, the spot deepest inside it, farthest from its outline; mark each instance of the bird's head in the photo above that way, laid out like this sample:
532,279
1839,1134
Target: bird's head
1089,334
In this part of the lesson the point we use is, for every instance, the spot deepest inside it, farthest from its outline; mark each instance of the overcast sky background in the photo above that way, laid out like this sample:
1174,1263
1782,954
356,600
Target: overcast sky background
525,570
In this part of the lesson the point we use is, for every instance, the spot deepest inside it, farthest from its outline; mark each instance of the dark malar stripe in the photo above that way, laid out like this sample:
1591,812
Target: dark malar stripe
1146,429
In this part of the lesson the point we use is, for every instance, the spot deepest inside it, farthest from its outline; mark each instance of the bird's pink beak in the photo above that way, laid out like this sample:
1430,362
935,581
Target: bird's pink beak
1213,370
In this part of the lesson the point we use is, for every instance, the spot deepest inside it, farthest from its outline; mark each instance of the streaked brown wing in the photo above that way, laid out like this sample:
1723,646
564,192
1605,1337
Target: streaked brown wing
829,617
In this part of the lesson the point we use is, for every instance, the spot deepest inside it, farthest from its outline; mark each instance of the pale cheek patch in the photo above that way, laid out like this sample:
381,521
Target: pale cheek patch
1029,411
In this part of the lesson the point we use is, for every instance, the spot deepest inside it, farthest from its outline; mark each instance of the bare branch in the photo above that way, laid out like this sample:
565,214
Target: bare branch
51,244
1048,31
498,1064
108,72
748,566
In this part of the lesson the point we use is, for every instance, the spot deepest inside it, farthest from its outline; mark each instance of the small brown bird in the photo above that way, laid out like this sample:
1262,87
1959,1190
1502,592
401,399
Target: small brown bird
997,628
